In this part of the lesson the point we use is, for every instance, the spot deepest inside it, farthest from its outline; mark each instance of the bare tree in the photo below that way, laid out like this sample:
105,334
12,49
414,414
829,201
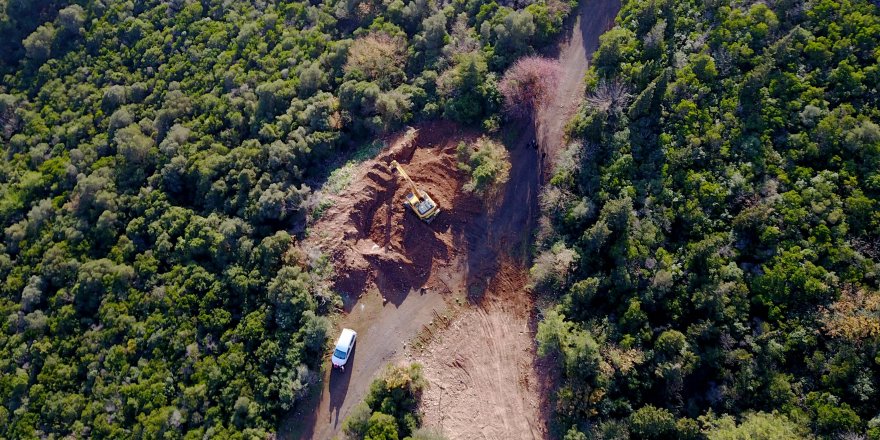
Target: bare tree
527,84
609,96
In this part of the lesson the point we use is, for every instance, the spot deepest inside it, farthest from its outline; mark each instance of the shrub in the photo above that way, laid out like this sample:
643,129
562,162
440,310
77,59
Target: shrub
381,427
38,45
427,434
389,411
757,426
378,57
487,163
356,424
553,266
468,89
651,422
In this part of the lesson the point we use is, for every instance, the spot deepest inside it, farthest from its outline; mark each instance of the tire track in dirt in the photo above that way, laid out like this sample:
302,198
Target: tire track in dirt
483,382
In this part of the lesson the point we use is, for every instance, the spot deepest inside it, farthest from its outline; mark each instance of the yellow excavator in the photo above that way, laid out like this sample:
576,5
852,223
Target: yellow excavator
418,201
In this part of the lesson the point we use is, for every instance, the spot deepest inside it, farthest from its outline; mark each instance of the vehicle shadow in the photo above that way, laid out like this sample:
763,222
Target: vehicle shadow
339,382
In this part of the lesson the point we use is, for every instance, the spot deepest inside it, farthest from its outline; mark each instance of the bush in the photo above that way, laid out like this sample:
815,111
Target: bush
756,426
468,89
377,57
356,424
649,422
487,163
390,408
38,45
552,267
381,427
427,434
527,84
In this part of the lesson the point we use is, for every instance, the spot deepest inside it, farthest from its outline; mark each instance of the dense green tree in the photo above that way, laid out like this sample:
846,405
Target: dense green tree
757,426
390,409
725,226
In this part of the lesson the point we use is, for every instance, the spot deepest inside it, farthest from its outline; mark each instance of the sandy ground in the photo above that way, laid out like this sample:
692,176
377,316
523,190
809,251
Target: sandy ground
484,383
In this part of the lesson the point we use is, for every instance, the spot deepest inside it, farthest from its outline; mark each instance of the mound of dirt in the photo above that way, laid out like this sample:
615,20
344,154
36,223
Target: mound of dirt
373,239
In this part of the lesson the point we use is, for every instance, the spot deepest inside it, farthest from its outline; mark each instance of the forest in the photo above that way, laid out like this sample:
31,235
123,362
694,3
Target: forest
707,259
710,240
159,160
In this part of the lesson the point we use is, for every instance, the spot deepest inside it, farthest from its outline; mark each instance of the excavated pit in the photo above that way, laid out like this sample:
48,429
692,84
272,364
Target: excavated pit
374,240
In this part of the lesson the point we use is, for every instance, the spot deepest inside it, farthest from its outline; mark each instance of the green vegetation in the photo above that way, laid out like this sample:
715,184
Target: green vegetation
390,410
155,159
487,163
713,238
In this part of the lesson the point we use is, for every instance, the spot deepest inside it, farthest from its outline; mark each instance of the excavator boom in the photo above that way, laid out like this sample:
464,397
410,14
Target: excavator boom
418,201
409,181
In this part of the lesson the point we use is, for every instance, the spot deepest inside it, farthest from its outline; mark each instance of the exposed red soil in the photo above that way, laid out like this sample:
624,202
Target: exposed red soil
373,240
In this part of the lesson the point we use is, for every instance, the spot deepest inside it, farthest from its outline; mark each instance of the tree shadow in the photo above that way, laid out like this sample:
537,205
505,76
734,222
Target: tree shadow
504,231
597,22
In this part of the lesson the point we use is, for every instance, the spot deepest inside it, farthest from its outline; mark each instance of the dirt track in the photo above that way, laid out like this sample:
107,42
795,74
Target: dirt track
486,382
593,19
396,272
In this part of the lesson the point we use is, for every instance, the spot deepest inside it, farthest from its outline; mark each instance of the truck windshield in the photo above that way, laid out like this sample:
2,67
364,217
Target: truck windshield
339,354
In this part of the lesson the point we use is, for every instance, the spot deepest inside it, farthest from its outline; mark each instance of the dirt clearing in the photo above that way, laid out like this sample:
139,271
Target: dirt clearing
397,273
371,237
483,380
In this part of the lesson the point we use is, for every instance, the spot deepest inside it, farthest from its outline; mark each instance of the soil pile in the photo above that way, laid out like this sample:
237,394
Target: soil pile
373,239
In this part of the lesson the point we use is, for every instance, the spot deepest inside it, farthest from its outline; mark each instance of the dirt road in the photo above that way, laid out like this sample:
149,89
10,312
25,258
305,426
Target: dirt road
484,364
594,17
382,331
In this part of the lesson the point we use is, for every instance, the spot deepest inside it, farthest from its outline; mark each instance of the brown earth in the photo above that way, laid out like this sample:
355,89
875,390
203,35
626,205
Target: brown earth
482,371
399,273
374,241
402,271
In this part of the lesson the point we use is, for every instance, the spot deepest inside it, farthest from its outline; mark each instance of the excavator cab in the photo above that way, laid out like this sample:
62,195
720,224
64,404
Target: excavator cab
418,201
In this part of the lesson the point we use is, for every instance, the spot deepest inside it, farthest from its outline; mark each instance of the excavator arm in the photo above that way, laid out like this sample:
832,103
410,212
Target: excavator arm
409,181
419,201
